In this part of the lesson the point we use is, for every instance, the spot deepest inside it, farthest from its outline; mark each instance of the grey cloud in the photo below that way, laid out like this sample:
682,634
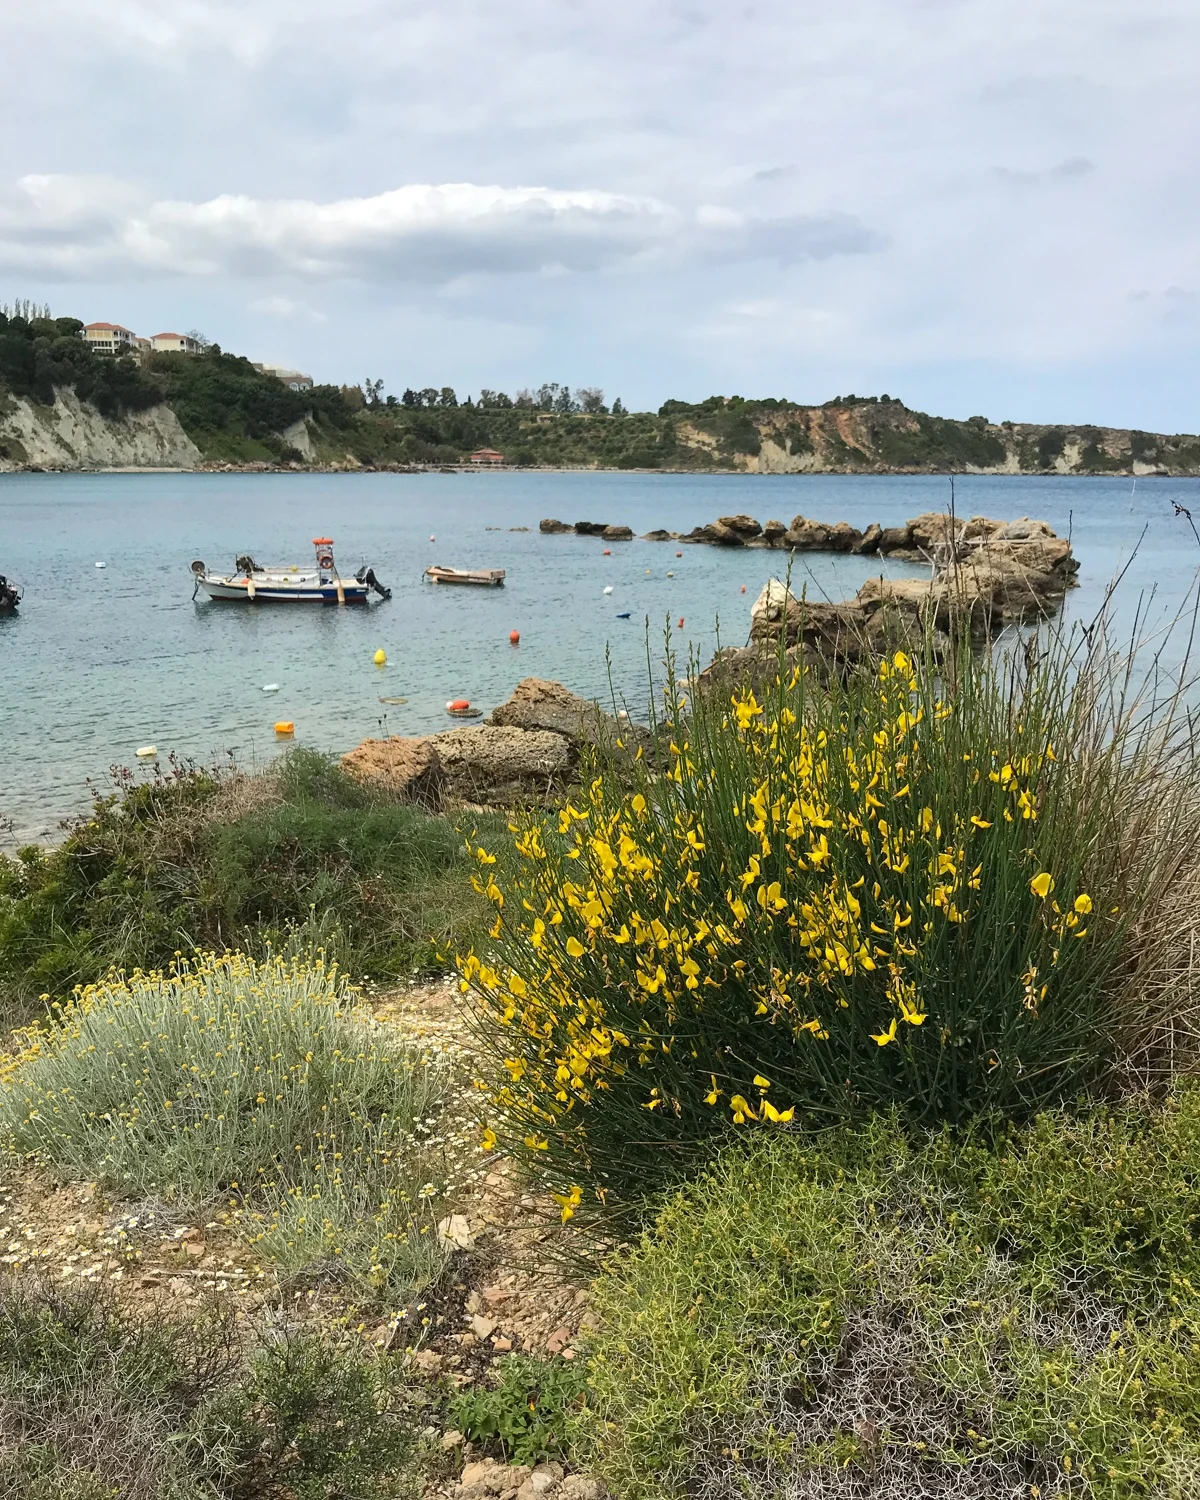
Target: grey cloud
1073,166
79,228
775,174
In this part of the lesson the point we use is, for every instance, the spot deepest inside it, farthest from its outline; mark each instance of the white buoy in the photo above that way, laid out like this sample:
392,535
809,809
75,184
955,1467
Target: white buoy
102,565
270,687
608,588
147,752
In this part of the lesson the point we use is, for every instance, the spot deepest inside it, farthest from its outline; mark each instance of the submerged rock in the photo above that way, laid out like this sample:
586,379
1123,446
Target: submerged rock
550,527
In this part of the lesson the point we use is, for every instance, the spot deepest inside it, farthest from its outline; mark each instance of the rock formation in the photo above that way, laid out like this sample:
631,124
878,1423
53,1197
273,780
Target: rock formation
986,574
528,751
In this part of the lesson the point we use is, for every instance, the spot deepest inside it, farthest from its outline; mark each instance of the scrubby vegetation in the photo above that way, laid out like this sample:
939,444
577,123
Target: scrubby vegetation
98,1402
525,1411
251,1084
935,886
211,858
864,1316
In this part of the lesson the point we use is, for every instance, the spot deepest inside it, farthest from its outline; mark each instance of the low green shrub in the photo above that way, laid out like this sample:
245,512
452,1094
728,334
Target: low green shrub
250,1080
926,885
97,1403
526,1410
864,1316
209,858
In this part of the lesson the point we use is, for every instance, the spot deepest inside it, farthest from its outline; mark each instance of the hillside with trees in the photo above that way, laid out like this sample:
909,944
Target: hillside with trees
237,414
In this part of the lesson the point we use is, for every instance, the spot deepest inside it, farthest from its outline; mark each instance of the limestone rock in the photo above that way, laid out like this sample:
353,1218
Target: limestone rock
807,536
617,533
550,527
869,541
744,526
894,539
774,532
843,537
590,528
503,766
659,535
934,529
410,770
537,703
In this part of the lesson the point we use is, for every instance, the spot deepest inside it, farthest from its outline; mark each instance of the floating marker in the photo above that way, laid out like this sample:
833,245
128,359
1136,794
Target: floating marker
679,554
433,539
147,752
270,687
380,657
284,726
514,637
681,622
743,588
647,572
624,615
608,551
670,575
608,588
102,565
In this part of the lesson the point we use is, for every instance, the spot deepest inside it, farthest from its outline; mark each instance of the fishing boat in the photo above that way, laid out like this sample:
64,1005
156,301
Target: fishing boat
484,578
284,584
10,596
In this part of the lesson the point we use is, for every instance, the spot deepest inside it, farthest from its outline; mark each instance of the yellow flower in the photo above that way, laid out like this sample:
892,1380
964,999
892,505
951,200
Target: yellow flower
569,1202
536,1143
760,1082
1041,885
742,1110
777,1116
979,822
714,1093
487,1141
1083,904
884,1037
639,804
575,948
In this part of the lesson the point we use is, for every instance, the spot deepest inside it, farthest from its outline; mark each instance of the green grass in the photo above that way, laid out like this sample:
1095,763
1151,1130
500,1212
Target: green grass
97,1403
858,1314
252,1085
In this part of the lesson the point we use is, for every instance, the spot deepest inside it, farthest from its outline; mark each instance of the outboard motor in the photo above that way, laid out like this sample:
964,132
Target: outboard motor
367,576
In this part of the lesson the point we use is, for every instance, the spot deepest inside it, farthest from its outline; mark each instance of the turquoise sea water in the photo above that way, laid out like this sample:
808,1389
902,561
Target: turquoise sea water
101,661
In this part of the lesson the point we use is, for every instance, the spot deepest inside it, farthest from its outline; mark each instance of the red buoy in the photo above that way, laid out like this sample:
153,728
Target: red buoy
608,551
679,554
743,588
514,637
681,622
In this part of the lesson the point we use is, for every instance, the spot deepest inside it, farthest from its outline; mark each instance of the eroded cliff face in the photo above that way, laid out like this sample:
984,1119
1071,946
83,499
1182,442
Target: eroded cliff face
884,436
73,435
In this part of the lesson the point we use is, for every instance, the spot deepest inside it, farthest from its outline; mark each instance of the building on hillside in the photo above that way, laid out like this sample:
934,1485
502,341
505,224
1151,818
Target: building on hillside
293,379
175,343
487,456
141,345
109,338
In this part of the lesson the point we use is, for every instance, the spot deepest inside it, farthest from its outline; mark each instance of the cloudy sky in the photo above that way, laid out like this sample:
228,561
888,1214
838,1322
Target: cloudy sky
978,205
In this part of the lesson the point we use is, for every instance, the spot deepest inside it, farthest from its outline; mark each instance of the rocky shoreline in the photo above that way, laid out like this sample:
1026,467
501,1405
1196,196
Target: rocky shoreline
984,574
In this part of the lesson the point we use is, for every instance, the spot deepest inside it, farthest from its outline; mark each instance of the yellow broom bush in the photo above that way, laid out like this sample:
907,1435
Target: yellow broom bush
912,888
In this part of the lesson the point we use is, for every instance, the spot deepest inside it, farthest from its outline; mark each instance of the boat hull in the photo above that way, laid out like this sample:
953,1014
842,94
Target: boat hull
233,590
481,578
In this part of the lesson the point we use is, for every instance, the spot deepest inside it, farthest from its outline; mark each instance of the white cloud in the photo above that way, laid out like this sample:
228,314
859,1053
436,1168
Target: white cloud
286,307
80,228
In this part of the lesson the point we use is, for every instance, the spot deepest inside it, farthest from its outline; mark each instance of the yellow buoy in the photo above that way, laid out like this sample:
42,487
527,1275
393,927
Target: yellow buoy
380,657
284,726
147,752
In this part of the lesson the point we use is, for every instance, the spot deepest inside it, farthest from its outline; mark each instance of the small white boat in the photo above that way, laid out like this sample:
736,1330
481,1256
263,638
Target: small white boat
282,584
486,578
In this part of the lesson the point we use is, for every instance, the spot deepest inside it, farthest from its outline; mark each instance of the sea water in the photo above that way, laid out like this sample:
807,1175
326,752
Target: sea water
100,661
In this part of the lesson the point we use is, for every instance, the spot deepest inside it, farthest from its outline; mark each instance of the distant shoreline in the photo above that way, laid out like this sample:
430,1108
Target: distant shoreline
209,470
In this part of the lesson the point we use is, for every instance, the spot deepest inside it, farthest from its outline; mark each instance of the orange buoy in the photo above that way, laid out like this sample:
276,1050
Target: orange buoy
679,554
284,726
514,637
743,588
608,551
681,622
456,705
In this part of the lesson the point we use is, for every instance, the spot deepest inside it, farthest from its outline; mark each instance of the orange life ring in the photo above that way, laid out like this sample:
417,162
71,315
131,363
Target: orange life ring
456,705
325,560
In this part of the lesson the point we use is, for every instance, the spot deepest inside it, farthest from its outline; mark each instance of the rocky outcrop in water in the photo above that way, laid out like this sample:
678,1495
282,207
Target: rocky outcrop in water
528,751
985,574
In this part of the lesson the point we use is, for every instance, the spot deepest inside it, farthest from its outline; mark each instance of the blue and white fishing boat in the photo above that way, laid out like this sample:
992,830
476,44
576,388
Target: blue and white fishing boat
284,584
